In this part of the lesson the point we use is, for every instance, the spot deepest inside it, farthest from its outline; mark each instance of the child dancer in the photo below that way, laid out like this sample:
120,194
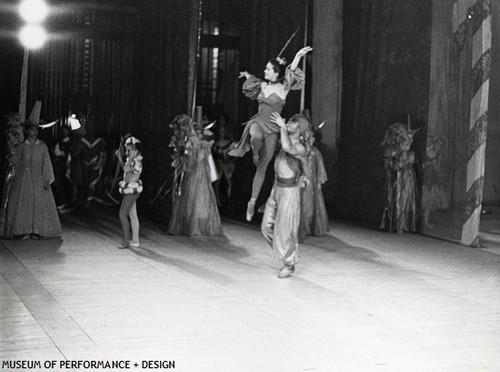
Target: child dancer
130,187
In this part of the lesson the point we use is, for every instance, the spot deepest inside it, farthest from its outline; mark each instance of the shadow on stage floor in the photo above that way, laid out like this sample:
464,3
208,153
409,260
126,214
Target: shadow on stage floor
345,251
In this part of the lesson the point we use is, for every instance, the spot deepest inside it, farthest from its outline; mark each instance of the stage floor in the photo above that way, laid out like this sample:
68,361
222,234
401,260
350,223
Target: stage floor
360,300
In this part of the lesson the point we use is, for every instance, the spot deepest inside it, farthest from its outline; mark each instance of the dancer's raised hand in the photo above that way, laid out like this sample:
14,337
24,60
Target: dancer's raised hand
278,120
244,74
302,52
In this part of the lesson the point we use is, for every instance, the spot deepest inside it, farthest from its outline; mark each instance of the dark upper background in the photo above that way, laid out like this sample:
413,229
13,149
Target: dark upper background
126,64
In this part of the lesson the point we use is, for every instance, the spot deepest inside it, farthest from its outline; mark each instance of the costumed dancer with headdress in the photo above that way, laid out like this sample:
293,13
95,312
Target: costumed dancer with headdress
119,153
433,194
194,210
14,136
223,163
130,187
62,184
76,173
93,161
314,218
261,134
280,223
30,209
400,212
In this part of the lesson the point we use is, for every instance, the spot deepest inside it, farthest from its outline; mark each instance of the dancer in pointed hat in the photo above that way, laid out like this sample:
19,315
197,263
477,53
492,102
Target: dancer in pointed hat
30,209
261,134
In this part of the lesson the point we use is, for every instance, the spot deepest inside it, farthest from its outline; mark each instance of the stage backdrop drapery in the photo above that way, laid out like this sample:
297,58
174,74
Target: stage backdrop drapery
125,64
326,81
164,45
386,57
86,65
458,114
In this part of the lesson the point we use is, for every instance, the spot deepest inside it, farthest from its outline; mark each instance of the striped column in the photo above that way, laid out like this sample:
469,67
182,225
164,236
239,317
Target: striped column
472,18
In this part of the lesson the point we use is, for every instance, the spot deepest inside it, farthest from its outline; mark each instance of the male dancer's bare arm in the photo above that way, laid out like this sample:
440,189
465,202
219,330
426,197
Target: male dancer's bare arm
296,148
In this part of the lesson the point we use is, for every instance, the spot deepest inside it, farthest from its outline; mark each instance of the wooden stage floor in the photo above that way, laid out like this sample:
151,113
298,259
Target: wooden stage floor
360,300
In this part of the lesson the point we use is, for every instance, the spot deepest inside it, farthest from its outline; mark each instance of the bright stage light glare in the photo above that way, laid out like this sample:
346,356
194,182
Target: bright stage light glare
32,36
33,11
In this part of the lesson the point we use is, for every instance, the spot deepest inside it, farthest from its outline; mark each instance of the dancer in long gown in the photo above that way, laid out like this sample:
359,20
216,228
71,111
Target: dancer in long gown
261,134
194,210
314,218
280,223
30,210
62,184
401,208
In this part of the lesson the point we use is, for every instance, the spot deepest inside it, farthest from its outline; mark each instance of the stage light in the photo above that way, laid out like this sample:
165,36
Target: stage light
33,11
32,36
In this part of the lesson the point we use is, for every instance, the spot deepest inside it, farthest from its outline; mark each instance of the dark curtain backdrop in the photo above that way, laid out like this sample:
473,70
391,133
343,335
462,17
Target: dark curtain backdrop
10,67
161,81
58,79
10,81
266,25
385,77
86,65
459,114
327,87
126,66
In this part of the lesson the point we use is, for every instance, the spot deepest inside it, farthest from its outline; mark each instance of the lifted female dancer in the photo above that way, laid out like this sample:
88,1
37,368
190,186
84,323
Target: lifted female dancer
260,134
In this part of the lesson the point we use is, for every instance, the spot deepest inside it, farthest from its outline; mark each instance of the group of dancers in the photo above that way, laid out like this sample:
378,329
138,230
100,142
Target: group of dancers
294,209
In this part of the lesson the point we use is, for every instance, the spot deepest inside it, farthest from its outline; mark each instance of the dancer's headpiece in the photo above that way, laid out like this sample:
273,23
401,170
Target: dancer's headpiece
132,141
279,58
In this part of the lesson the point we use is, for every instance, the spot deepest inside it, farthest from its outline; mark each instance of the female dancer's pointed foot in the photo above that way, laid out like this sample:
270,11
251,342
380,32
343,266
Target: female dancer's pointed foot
250,209
135,244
